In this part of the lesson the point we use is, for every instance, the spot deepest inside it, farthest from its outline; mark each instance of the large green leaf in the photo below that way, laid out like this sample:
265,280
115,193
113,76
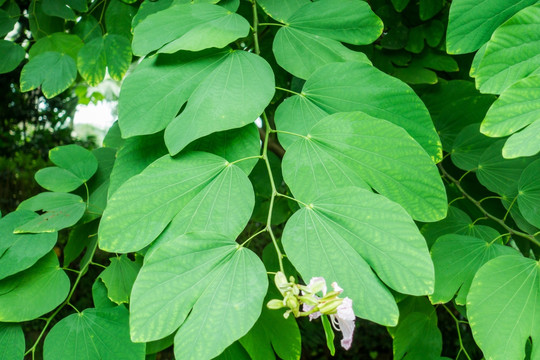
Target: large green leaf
61,210
517,107
119,277
472,22
313,33
346,232
510,56
152,95
61,42
232,96
457,258
11,341
143,206
53,71
469,146
524,143
454,105
12,54
191,27
418,337
529,193
498,174
356,86
33,292
20,251
207,276
503,307
93,334
353,148
57,179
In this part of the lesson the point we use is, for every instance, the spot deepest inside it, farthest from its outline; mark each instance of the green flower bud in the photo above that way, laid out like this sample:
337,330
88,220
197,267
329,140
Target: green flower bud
330,307
275,304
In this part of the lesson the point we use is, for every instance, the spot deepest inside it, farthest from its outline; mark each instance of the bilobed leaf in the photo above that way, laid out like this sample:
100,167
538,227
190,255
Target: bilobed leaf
93,334
281,10
457,258
11,341
61,42
211,287
313,33
12,54
143,206
76,159
472,22
33,292
57,179
509,56
355,86
92,61
301,53
51,70
418,337
191,27
119,277
225,205
469,146
20,251
61,210
231,96
503,307
498,174
346,232
152,95
529,193
354,148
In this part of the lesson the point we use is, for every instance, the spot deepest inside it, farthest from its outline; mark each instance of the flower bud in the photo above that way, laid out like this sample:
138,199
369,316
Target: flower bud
275,304
330,307
281,282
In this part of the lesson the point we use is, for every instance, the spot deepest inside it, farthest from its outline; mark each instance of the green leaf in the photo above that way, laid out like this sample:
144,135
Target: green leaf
346,231
119,277
472,22
456,221
11,341
113,138
61,42
509,56
210,209
118,53
118,17
272,332
234,352
134,156
93,334
329,334
313,33
418,337
400,5
75,159
334,88
301,53
79,5
469,146
524,143
350,148
457,258
517,107
41,24
88,29
99,295
281,10
232,145
211,287
99,184
453,105
58,8
232,96
53,71
33,292
6,22
498,174
92,61
152,95
141,208
20,251
529,193
57,179
80,237
430,8
191,27
503,307
12,54
61,210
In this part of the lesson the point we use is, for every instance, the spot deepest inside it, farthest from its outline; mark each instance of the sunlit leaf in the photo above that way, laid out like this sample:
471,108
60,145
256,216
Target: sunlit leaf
119,277
51,70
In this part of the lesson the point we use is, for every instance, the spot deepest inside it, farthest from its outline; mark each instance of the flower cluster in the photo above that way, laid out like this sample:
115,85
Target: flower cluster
306,297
